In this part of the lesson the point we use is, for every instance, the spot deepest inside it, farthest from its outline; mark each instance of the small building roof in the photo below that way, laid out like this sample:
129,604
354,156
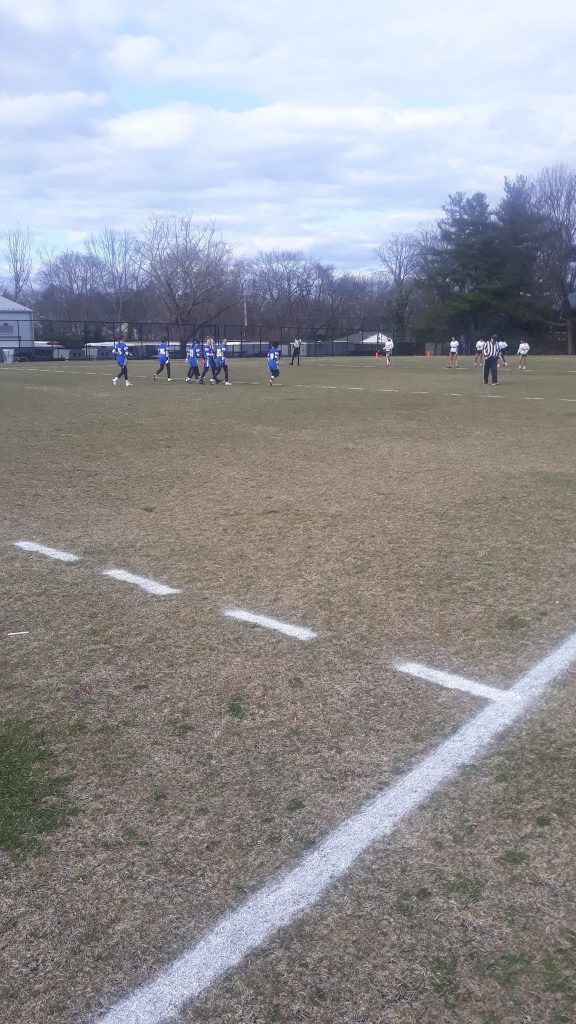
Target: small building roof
7,306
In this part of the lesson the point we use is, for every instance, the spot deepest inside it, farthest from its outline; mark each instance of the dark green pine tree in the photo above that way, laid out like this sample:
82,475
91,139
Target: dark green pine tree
464,268
520,228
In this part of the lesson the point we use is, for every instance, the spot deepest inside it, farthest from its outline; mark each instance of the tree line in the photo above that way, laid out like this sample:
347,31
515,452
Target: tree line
509,268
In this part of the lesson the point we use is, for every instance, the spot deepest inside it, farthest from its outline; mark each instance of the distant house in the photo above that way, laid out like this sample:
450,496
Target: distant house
16,325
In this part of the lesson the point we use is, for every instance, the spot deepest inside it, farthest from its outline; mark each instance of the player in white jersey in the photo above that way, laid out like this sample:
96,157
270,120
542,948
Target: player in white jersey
388,348
479,352
453,357
503,345
523,350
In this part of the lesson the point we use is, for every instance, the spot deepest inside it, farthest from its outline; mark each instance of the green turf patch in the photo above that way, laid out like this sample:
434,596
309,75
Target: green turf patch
235,709
34,798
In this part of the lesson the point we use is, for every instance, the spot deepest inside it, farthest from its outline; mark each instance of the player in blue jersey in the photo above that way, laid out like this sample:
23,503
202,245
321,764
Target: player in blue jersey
209,363
193,354
221,362
273,356
163,359
121,352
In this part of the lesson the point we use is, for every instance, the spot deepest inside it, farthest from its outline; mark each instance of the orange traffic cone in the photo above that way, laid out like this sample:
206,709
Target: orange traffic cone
428,353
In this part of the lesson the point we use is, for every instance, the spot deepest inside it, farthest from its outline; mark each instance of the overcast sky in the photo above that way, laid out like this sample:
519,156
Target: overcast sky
306,124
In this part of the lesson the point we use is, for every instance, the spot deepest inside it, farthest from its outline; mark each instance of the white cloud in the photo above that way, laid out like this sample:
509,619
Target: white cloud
321,125
135,54
35,109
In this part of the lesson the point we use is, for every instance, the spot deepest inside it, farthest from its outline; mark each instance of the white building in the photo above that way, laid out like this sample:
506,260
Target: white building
16,325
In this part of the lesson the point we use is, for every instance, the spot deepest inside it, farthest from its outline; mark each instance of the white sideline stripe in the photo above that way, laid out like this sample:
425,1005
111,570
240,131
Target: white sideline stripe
418,392
263,620
451,681
22,632
150,586
60,556
568,399
281,901
528,398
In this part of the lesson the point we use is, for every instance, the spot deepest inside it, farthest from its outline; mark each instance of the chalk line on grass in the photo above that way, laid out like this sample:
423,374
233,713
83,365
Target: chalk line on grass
21,632
451,681
280,902
150,586
60,556
300,632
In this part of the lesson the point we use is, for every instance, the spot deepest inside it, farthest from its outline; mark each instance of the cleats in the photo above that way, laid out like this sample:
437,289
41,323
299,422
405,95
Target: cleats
227,384
129,384
115,381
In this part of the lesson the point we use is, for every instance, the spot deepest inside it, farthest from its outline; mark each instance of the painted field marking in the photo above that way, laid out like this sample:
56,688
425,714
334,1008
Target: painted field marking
281,901
528,398
454,394
418,392
451,681
60,556
568,399
300,632
150,586
388,391
22,632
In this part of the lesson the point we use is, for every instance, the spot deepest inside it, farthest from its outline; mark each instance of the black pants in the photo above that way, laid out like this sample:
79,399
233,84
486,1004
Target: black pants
491,367
223,367
122,372
160,368
208,366
295,355
193,371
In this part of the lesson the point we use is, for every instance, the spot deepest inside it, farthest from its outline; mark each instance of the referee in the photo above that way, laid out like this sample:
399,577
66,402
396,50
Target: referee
491,353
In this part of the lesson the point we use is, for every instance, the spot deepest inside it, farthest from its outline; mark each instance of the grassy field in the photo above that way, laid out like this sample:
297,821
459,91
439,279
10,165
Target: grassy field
159,762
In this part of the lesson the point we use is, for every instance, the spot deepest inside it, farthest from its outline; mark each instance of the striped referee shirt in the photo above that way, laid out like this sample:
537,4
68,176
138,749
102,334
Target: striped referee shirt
491,348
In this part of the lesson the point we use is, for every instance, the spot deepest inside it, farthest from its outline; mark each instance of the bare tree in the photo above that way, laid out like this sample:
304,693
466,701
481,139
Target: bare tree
18,257
556,200
117,258
188,269
71,286
282,284
399,257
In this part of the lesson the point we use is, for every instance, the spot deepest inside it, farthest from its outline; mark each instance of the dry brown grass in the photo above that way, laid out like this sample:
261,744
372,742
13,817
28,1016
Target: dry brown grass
408,525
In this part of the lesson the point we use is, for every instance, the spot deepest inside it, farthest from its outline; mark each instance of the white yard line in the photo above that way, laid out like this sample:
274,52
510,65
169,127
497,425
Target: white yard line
451,681
22,632
150,586
300,632
280,902
60,556
568,399
529,398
